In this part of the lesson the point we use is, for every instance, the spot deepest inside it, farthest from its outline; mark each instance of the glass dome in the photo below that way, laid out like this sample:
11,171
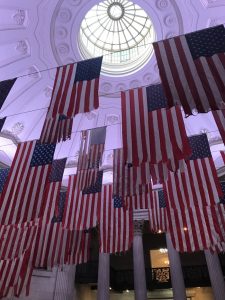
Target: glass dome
121,31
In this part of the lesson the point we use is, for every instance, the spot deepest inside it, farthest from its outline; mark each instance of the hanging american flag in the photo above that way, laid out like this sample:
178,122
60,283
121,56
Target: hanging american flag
115,224
12,274
142,201
22,195
157,212
52,190
75,91
128,180
219,117
198,184
90,158
222,153
52,239
79,247
150,134
191,68
3,176
80,209
5,88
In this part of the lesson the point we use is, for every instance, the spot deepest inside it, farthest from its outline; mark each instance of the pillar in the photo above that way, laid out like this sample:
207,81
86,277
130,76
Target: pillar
103,276
140,289
215,274
177,279
65,283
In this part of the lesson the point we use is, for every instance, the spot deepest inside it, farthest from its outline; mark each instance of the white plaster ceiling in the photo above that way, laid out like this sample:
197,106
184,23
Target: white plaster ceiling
36,35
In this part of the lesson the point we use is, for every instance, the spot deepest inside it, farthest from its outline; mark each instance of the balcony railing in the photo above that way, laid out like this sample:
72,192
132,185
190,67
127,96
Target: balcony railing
156,278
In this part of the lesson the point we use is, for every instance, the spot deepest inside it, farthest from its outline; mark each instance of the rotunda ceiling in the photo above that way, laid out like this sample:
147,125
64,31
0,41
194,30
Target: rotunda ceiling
41,36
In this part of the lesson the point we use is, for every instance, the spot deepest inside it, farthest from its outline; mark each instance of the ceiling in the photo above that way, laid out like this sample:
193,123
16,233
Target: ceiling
37,35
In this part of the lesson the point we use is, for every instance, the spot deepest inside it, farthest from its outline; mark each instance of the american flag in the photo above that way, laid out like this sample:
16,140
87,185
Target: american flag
151,135
5,88
3,176
52,190
75,91
191,197
52,239
90,158
56,129
80,209
142,201
222,198
115,224
22,195
128,180
13,274
193,229
79,247
191,68
17,242
198,184
157,212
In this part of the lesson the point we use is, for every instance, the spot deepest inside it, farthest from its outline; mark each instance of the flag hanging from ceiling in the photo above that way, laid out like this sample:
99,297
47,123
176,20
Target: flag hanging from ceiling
194,228
79,247
191,68
150,134
115,224
3,176
219,117
80,209
22,195
5,88
12,275
52,189
52,239
91,152
157,212
75,91
125,177
198,184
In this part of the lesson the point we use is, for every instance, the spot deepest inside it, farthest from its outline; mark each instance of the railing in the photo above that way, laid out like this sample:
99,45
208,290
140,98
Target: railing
156,278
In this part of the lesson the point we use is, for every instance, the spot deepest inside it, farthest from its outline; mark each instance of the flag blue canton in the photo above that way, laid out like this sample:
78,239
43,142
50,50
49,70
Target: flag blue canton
61,205
206,42
43,154
3,176
222,199
155,97
88,69
57,170
5,87
162,202
2,122
118,201
97,136
96,187
200,146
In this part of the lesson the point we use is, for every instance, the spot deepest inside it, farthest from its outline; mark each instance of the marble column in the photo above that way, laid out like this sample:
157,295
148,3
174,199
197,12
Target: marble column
177,279
65,283
103,276
140,289
215,274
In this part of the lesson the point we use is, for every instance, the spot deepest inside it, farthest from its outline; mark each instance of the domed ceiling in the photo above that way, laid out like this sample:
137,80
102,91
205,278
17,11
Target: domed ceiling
42,34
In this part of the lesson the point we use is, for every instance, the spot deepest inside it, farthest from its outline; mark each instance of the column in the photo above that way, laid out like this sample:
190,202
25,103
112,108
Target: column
177,279
103,276
140,289
215,274
65,283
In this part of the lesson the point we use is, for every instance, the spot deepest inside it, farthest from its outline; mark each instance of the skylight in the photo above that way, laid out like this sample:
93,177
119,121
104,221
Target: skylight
121,31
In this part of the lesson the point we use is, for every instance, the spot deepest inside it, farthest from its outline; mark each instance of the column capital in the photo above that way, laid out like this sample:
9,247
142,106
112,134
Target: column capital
138,227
